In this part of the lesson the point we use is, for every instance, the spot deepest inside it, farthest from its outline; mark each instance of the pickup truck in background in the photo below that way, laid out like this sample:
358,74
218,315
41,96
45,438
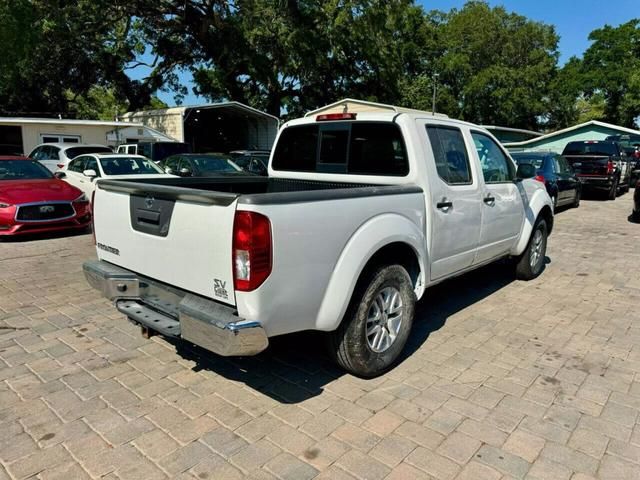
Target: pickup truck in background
599,165
155,151
360,214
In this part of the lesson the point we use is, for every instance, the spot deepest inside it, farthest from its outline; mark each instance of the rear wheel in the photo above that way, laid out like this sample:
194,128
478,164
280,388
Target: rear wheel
613,192
531,262
576,201
376,326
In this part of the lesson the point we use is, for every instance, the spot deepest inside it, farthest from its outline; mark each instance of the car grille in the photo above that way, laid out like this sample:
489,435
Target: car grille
44,212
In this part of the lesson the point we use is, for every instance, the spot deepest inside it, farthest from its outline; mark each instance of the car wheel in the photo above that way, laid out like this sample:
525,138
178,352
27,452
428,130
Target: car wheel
576,201
613,192
376,326
531,262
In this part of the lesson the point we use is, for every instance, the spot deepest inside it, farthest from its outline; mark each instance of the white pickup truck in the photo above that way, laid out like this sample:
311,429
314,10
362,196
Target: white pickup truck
359,215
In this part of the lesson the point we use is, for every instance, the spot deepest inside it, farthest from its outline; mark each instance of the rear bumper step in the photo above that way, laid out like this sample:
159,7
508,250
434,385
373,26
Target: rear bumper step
177,313
147,317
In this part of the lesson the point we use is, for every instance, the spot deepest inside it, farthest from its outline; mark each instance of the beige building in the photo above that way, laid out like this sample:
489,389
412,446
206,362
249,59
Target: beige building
20,135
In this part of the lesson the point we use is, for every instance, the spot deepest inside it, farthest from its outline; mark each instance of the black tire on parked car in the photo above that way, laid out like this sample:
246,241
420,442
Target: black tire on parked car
377,323
531,262
613,192
576,201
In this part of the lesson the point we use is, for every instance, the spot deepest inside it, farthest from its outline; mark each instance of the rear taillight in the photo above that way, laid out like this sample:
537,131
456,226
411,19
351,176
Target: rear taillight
540,178
636,154
93,223
609,167
60,165
251,250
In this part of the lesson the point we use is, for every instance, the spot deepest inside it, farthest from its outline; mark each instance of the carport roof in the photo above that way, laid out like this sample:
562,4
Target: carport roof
206,106
66,121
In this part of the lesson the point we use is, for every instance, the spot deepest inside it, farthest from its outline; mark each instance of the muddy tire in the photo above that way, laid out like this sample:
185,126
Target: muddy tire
377,323
531,262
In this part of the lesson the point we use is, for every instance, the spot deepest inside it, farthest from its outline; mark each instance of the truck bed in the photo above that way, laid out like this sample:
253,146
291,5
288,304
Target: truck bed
223,190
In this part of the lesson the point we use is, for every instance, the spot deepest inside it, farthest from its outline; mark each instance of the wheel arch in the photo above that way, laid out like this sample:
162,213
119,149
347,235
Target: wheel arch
372,246
539,206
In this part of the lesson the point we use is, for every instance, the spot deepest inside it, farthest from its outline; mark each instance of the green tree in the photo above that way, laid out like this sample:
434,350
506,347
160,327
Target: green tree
495,67
103,103
565,89
48,48
610,68
286,56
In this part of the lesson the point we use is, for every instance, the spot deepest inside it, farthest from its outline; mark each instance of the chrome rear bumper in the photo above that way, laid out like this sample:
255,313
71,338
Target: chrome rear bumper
177,313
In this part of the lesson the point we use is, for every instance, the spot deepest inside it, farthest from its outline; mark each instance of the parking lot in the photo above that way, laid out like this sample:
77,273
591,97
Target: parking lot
502,379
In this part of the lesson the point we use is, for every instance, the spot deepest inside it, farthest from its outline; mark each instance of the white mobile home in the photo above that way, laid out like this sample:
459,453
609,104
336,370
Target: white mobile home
20,135
216,127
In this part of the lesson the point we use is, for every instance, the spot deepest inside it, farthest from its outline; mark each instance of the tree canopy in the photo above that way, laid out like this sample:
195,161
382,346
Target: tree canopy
491,66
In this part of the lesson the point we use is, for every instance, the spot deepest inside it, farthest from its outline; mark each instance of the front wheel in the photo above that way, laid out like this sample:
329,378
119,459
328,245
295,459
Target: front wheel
376,326
531,262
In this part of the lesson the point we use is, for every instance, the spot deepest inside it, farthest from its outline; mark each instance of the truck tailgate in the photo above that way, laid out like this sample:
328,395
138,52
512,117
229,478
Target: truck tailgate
588,165
181,239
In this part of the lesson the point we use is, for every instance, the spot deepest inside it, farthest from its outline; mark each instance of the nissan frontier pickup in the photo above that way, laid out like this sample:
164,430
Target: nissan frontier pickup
359,215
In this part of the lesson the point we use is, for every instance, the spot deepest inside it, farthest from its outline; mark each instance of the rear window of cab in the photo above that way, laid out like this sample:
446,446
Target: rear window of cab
362,148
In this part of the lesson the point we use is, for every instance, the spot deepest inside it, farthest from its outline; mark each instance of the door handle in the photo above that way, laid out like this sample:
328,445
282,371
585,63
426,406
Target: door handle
444,205
489,200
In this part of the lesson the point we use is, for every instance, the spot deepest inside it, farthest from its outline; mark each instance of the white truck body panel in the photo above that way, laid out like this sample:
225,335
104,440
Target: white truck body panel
321,245
204,231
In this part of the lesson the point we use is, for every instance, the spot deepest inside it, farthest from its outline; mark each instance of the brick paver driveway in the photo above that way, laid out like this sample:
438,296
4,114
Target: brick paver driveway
503,379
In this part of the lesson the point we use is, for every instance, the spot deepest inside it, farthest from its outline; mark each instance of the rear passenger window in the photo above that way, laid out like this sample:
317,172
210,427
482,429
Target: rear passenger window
296,149
450,153
377,149
364,148
496,167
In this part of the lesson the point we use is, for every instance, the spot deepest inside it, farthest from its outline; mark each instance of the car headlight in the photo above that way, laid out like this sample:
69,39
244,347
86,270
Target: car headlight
82,198
5,205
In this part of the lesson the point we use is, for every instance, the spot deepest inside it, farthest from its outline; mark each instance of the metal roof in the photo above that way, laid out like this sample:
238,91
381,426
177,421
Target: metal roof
66,121
381,106
509,129
183,108
570,129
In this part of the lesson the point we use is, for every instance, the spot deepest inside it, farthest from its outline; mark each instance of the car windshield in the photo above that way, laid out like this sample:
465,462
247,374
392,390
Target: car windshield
23,170
211,163
128,166
75,151
535,160
590,148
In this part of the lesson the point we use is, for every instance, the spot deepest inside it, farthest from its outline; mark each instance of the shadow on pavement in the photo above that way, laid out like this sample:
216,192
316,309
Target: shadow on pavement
296,367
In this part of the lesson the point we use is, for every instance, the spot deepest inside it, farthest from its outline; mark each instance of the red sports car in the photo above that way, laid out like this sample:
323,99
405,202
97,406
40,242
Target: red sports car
32,200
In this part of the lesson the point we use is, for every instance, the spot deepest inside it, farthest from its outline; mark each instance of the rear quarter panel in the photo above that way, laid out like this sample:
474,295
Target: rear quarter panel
319,250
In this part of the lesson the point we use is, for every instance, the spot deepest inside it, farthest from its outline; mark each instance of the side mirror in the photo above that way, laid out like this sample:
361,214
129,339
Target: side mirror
59,174
185,172
91,173
525,170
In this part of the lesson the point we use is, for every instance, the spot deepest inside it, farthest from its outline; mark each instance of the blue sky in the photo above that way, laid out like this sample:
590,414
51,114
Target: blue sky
573,19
